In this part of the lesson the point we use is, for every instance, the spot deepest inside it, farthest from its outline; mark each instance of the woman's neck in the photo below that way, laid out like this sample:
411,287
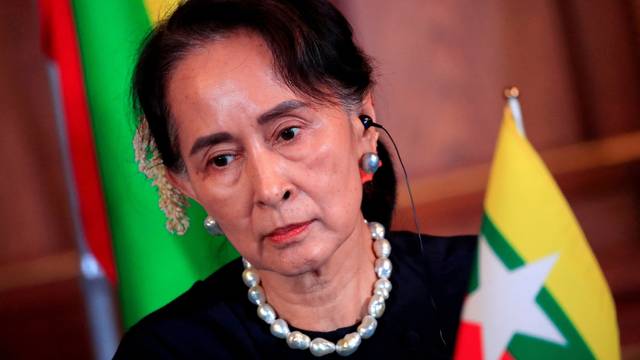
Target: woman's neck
333,296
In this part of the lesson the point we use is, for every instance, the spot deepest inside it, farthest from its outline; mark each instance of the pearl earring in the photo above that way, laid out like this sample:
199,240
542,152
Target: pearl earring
370,162
212,226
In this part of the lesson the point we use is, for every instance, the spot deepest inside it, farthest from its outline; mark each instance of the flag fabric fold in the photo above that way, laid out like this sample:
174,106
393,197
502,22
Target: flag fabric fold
536,290
153,266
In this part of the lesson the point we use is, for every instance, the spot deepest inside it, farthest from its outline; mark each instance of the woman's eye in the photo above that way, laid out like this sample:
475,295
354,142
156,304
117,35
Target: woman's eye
222,160
289,133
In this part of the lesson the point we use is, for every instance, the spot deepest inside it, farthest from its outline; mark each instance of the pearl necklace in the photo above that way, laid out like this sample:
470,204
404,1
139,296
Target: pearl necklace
319,346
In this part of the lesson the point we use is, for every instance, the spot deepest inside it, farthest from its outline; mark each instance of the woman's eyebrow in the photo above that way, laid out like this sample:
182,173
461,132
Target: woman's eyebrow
279,110
206,141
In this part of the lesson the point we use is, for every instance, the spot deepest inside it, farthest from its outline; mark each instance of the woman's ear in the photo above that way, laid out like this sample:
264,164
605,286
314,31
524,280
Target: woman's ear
370,135
182,182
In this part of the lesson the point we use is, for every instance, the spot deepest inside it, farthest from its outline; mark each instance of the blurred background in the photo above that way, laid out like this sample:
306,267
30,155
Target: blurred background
442,67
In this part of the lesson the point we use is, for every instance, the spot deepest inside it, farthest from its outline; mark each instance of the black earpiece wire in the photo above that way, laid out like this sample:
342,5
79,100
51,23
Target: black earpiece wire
367,122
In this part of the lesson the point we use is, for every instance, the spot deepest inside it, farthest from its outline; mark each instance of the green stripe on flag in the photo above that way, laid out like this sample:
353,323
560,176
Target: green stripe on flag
153,266
526,347
499,244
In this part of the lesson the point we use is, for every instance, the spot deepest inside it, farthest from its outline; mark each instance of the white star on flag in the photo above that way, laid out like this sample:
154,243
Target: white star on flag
505,302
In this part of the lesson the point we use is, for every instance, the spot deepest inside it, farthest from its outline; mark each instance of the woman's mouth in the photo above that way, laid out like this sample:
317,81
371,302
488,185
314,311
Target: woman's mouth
286,233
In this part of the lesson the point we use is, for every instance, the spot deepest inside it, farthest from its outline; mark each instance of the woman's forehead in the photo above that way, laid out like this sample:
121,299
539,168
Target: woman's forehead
230,75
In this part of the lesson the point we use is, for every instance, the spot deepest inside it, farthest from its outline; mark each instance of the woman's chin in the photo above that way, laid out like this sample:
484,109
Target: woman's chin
303,258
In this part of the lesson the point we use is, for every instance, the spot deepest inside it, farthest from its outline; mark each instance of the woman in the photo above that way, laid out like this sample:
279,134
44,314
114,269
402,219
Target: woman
260,112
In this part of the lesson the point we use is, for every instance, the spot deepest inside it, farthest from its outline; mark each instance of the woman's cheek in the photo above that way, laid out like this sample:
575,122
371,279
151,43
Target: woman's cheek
333,182
229,205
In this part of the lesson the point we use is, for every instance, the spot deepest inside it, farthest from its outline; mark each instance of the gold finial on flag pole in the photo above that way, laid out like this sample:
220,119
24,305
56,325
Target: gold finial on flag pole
511,92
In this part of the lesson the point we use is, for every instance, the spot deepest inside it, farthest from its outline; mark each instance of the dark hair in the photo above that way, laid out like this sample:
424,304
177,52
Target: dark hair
310,41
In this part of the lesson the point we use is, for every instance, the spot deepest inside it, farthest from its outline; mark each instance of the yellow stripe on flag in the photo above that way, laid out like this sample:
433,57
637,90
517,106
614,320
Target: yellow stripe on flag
159,9
521,184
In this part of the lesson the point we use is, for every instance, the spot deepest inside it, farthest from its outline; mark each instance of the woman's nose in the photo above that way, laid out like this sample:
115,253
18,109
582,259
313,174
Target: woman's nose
270,180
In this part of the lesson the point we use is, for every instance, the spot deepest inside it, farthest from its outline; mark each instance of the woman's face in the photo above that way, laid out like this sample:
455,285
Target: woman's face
278,172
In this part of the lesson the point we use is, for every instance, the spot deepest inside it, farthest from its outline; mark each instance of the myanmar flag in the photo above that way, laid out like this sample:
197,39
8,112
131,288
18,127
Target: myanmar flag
536,291
93,46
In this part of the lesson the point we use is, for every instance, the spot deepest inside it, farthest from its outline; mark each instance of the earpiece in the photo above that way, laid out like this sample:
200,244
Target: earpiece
367,122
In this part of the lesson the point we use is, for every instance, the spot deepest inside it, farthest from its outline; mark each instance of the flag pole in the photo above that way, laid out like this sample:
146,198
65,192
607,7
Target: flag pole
97,290
512,94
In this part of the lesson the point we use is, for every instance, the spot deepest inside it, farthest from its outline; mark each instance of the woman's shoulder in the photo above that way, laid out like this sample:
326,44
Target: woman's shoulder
444,263
434,245
190,322
442,255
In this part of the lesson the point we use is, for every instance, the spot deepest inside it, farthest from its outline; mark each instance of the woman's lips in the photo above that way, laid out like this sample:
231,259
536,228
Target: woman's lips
286,233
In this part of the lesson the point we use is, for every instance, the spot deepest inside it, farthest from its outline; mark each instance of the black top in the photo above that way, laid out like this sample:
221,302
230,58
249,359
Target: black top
215,320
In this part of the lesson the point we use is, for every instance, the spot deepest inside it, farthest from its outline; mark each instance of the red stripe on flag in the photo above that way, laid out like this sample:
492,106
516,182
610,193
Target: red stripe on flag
506,355
59,41
469,342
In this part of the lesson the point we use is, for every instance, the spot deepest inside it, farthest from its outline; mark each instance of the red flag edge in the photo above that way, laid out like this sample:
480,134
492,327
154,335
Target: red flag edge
60,43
